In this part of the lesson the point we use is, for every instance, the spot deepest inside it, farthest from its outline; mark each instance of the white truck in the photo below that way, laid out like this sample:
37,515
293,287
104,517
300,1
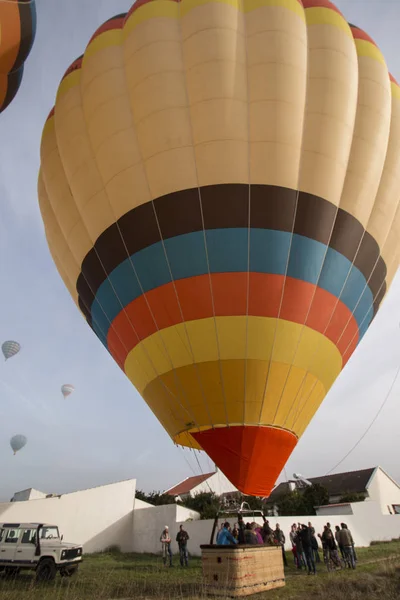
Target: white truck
37,547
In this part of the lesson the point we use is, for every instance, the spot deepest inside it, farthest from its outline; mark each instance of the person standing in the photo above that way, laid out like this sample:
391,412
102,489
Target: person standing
314,544
182,538
346,539
165,540
280,539
305,535
337,538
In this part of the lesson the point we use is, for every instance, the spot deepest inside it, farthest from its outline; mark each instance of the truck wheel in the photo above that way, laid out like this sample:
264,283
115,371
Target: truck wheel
46,570
68,571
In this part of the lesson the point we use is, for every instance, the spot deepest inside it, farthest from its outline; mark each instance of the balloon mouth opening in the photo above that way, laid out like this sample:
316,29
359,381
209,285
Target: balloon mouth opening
250,456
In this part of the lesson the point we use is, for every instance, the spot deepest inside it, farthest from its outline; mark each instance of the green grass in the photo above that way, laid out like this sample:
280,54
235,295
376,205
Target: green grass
112,576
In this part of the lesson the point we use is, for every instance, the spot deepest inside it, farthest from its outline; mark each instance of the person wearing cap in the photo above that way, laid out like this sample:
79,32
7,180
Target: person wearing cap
165,540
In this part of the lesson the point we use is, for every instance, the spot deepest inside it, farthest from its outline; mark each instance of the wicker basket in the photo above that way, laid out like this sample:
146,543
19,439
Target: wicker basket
235,571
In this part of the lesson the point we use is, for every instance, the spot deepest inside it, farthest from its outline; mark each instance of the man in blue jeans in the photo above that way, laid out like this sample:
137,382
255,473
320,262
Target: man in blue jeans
182,539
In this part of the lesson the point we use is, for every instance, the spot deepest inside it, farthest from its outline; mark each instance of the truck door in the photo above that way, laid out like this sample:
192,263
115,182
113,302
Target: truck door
9,546
26,546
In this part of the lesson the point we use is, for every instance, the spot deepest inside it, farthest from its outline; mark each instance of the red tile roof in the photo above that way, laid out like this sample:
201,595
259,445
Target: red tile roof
188,485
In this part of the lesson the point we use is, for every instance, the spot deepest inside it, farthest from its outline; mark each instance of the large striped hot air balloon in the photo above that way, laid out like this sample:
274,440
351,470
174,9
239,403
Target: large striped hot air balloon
17,33
220,186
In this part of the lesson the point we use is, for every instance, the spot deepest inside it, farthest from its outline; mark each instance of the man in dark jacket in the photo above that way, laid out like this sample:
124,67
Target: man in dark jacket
306,540
182,539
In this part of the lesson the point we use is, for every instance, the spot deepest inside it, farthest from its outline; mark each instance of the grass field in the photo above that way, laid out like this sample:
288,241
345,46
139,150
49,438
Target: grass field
131,576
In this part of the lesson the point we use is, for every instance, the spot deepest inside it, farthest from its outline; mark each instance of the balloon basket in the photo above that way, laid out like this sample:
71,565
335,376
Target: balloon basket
238,571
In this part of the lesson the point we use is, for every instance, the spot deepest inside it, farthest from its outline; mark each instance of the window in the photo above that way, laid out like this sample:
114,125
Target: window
396,509
28,536
12,536
48,533
1,534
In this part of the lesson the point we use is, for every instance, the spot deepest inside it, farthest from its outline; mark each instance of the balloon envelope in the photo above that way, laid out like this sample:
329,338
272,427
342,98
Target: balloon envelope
10,348
18,28
67,389
17,442
219,187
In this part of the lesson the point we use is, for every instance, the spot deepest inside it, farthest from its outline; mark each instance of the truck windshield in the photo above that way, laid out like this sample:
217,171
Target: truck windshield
49,533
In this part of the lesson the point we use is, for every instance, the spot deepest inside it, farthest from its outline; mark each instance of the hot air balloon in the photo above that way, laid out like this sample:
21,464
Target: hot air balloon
219,185
17,442
67,389
10,349
18,28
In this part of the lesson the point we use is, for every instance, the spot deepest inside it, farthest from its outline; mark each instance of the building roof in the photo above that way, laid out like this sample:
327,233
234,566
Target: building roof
353,482
186,486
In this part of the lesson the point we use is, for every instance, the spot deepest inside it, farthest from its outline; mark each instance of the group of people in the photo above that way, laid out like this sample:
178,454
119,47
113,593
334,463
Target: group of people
182,538
304,542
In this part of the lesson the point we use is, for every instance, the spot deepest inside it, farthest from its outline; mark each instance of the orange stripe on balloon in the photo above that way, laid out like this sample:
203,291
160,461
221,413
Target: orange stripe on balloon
110,25
359,34
320,4
140,3
392,79
10,39
159,308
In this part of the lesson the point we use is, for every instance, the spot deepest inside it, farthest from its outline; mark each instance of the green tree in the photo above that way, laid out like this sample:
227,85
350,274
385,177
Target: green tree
315,495
352,497
205,503
302,502
292,504
155,498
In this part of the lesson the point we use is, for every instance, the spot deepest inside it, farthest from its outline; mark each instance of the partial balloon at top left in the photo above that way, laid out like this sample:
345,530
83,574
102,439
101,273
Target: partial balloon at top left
17,34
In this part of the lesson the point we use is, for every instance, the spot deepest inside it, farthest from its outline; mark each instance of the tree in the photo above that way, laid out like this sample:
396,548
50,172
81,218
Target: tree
302,502
352,497
155,498
315,495
205,503
291,504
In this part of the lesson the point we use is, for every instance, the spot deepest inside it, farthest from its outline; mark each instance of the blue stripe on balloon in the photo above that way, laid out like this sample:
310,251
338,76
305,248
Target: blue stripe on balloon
227,251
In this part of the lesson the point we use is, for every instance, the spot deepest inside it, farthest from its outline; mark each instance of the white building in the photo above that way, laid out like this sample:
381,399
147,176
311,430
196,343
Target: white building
209,482
29,494
368,485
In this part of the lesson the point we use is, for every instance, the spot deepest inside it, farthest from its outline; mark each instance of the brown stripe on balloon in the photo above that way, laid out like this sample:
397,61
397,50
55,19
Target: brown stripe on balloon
379,297
27,32
13,84
226,206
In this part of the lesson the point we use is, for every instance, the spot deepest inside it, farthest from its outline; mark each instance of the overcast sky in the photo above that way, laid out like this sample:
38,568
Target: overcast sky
105,432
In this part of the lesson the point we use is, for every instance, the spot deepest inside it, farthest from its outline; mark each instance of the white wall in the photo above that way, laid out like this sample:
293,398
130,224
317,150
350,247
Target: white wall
335,509
217,483
29,494
384,490
367,524
97,518
149,523
139,504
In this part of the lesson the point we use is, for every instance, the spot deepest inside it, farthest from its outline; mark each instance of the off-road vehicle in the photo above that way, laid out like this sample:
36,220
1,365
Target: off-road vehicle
37,547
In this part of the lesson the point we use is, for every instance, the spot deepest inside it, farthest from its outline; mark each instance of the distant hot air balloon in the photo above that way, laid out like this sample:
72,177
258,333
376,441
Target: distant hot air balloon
17,33
10,348
17,442
67,389
219,186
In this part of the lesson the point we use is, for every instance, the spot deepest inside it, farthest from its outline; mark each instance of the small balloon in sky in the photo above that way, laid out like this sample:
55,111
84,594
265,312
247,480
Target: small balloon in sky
17,442
10,348
67,389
